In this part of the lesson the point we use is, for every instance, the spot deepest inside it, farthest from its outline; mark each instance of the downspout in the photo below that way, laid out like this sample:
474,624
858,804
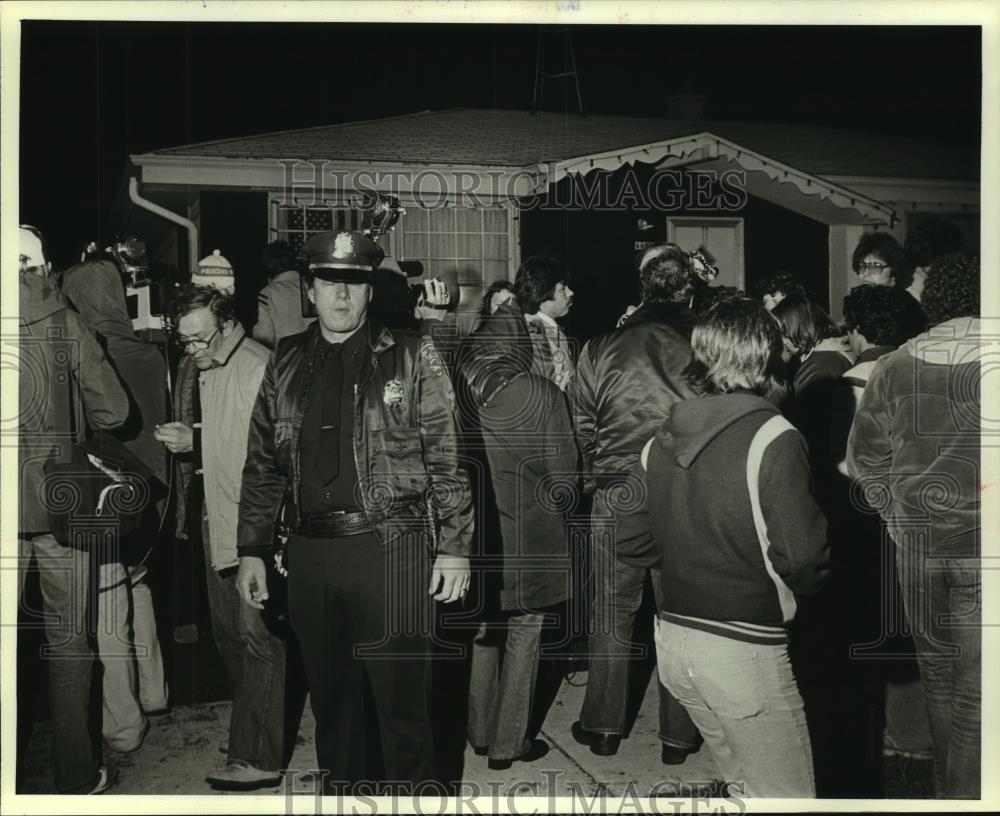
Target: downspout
170,215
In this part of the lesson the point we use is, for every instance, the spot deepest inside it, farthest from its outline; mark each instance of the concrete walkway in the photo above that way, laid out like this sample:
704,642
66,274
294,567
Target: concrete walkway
183,746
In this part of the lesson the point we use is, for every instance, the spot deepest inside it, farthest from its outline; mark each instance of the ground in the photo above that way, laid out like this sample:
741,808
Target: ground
184,744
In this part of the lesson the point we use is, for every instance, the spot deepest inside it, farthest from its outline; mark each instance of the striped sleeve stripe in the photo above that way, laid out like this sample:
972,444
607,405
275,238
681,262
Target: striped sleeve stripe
736,630
766,434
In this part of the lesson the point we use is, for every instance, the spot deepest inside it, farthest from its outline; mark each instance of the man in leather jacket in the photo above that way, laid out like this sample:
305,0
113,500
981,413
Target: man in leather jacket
626,381
354,431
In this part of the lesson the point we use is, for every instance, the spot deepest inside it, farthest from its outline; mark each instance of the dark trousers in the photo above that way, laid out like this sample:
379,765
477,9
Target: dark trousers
617,598
361,609
64,574
254,658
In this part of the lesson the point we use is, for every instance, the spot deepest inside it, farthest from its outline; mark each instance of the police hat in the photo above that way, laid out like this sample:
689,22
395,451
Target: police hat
342,256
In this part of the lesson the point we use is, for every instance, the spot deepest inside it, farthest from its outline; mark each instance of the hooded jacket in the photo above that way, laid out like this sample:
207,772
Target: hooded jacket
95,289
66,386
714,572
915,439
531,452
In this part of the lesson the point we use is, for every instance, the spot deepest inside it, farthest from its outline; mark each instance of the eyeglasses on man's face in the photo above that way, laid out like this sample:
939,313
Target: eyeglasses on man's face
192,344
871,266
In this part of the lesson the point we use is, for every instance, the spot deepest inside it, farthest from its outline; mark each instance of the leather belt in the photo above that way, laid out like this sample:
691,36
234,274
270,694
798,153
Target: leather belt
334,525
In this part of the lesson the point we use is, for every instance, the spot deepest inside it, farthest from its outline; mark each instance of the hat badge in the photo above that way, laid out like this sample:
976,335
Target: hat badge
343,246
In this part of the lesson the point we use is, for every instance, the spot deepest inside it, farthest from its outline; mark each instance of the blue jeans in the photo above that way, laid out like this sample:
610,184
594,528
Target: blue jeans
502,689
617,598
943,602
64,574
744,700
254,658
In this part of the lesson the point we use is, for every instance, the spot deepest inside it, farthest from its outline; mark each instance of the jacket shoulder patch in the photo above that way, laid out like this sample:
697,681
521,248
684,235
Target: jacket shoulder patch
431,358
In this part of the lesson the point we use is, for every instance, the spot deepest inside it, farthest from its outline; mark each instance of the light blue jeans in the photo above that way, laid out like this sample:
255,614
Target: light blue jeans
129,649
744,700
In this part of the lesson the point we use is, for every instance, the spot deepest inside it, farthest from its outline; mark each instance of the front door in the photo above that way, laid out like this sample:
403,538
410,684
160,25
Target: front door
723,237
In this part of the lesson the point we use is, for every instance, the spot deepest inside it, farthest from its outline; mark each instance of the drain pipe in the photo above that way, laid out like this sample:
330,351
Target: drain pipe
170,215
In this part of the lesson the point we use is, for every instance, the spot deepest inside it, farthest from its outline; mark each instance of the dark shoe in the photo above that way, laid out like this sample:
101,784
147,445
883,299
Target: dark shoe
672,755
242,776
536,751
106,778
481,750
600,744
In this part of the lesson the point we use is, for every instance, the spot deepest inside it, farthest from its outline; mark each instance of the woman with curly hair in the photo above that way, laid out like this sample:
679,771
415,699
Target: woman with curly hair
880,260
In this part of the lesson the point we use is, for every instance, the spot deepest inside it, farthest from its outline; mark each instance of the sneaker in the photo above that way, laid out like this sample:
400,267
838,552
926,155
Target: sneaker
242,776
106,779
890,749
114,757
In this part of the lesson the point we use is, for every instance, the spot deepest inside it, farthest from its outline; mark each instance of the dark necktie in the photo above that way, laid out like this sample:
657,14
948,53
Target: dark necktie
330,430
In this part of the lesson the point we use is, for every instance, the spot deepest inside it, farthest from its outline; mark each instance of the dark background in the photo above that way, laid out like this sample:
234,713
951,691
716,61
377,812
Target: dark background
92,93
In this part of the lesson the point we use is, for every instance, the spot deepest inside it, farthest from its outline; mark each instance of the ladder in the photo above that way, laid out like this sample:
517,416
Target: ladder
541,74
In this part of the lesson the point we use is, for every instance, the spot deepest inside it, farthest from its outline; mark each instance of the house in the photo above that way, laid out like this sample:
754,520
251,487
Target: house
482,188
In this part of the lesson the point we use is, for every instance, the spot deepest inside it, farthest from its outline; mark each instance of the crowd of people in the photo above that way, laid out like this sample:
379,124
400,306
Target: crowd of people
746,463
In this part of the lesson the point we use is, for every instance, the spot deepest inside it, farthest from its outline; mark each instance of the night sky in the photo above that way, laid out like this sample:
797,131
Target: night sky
92,93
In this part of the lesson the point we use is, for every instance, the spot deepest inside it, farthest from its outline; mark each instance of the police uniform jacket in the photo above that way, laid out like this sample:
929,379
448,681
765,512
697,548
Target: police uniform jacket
404,442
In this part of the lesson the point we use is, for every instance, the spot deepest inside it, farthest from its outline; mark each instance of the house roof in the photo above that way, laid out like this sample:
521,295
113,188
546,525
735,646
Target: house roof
511,138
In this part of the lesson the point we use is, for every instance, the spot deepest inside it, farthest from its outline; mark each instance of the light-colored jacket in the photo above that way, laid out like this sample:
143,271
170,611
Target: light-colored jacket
279,310
228,394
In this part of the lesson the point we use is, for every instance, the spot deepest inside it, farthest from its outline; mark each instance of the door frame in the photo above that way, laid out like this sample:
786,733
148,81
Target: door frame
691,220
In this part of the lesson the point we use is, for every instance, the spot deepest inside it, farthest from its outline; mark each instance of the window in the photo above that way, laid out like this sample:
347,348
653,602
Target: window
474,243
296,223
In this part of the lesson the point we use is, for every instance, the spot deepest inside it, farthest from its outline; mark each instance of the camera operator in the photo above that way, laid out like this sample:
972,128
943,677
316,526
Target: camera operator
63,378
127,641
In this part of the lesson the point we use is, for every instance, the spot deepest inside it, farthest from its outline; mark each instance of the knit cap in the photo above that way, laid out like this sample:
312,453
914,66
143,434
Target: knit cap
215,271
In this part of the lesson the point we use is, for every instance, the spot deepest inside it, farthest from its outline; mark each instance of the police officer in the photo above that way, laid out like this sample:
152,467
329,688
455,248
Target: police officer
354,430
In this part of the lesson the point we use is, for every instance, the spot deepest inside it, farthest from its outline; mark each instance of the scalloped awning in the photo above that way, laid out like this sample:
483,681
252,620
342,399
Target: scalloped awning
766,178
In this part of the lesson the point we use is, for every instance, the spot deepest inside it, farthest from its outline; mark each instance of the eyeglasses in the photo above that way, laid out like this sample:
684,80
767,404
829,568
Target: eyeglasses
195,344
871,266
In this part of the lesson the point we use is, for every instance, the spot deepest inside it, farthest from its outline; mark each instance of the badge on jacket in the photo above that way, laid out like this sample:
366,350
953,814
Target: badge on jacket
393,393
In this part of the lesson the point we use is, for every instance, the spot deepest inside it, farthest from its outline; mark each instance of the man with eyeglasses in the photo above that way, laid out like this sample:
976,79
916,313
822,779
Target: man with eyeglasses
879,260
230,369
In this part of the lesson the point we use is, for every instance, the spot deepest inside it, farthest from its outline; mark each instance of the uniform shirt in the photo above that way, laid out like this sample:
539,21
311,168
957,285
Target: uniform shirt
329,472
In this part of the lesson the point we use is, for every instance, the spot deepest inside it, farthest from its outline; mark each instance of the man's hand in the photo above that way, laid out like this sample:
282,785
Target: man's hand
437,293
251,581
449,578
177,436
435,300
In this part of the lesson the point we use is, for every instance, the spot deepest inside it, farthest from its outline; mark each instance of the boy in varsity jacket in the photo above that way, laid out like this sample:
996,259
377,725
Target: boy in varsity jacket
731,576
